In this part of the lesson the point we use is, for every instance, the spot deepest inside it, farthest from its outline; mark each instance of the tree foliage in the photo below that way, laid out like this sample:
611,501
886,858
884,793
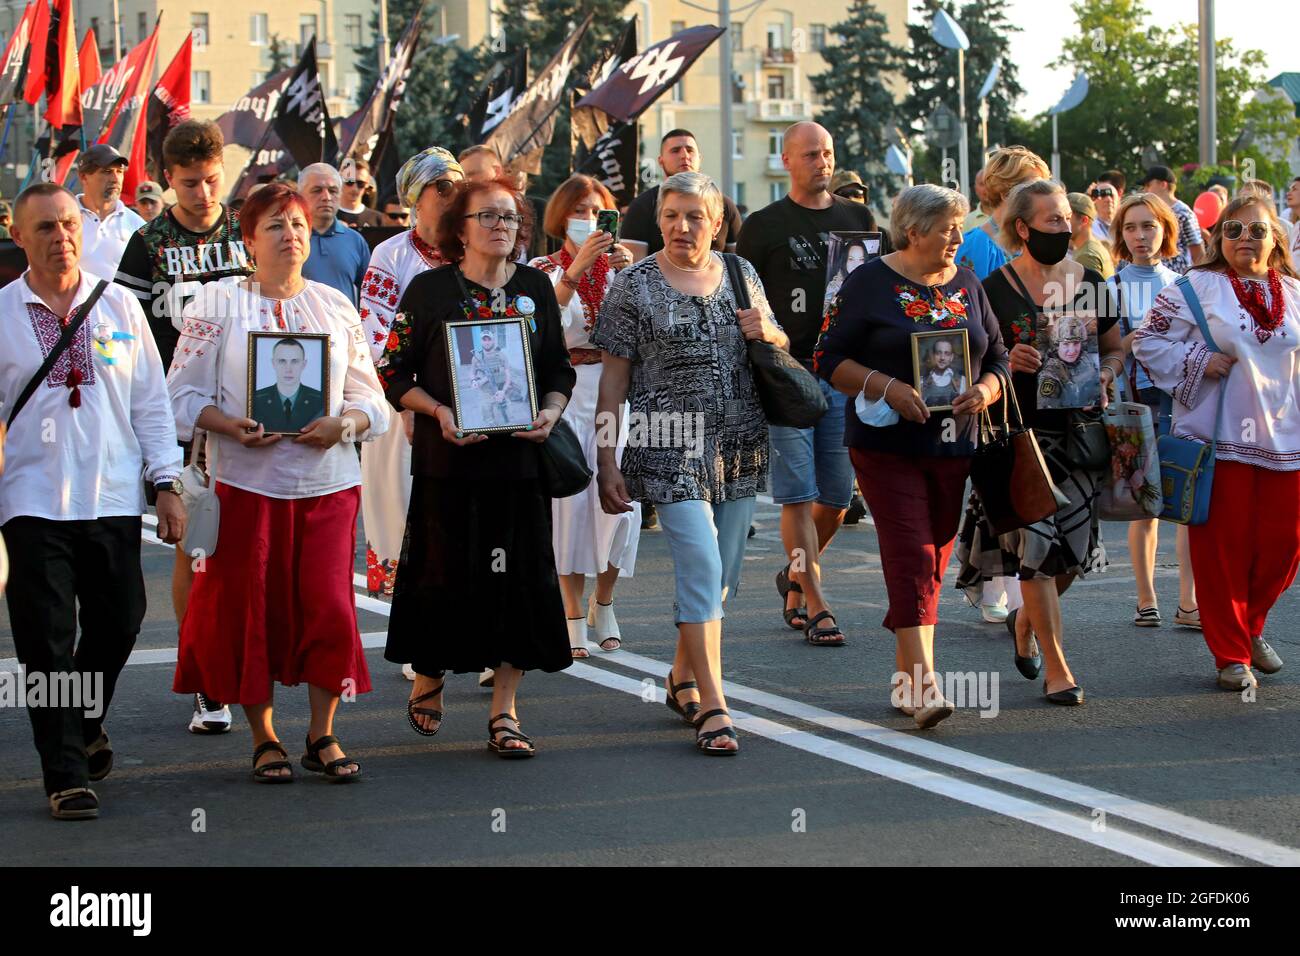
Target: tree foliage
1143,98
931,74
859,109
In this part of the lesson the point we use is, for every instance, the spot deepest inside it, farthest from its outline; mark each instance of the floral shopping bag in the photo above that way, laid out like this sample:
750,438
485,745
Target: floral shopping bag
1130,488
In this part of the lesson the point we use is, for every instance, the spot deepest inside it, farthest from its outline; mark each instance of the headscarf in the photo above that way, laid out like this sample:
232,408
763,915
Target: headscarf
422,169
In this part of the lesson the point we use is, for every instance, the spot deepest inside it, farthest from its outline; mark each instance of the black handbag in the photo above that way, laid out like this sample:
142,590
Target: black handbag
790,395
1087,444
563,465
1009,473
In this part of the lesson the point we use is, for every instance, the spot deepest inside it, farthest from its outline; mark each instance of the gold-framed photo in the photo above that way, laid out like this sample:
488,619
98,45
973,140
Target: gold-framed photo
941,366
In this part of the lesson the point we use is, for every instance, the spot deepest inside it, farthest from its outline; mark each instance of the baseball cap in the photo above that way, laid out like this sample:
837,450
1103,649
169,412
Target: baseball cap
1082,205
5,208
101,156
845,177
1161,174
148,190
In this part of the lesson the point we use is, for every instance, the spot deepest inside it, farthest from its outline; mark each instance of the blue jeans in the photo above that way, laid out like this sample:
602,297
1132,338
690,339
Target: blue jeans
812,464
707,542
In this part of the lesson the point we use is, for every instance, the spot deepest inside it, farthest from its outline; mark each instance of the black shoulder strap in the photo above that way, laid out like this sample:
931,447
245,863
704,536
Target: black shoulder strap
739,290
1020,286
69,333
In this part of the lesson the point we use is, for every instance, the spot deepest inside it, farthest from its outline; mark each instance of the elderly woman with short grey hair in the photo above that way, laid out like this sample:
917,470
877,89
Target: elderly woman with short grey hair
674,347
911,440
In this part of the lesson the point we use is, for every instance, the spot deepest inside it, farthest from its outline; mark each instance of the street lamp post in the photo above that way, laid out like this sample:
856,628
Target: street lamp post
1209,114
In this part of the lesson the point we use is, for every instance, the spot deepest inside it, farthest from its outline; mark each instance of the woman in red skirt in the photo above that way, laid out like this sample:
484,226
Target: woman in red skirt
273,602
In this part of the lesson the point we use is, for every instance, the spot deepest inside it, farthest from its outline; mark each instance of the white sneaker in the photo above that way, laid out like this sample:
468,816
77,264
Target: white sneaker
206,720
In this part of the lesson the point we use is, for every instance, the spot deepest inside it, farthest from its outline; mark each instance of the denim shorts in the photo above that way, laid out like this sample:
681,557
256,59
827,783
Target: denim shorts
707,542
812,464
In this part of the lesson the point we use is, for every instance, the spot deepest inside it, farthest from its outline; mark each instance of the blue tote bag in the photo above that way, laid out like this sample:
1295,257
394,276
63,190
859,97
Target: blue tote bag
1187,464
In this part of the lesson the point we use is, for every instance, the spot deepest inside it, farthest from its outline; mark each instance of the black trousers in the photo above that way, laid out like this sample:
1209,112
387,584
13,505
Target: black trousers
54,567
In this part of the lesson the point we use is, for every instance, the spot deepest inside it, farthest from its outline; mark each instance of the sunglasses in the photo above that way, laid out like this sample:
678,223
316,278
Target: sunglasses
399,216
1233,228
852,192
1102,193
363,183
445,187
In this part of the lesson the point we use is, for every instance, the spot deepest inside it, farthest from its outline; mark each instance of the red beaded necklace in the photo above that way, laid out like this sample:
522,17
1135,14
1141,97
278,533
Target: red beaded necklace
1267,316
591,287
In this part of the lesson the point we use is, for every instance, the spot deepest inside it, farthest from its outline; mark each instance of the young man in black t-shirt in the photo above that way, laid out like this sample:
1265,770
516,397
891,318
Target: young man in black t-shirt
639,230
166,264
812,478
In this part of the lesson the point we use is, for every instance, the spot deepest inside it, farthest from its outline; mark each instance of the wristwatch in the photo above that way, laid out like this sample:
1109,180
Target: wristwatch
171,485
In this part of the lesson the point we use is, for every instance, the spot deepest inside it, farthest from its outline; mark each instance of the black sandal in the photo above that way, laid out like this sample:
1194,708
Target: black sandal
814,635
499,748
784,586
702,737
687,711
99,757
262,773
311,760
412,710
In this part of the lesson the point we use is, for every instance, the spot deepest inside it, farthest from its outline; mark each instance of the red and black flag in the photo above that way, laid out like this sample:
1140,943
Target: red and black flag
38,45
169,104
63,85
126,131
13,70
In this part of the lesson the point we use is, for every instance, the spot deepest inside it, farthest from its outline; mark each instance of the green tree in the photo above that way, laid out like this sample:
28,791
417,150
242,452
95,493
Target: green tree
277,54
1143,97
931,74
859,108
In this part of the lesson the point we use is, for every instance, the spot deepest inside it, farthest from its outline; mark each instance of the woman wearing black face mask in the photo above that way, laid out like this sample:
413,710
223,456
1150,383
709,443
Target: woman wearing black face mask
1050,554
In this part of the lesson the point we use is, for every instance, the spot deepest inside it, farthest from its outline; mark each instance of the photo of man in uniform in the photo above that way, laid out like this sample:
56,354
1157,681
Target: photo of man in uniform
288,405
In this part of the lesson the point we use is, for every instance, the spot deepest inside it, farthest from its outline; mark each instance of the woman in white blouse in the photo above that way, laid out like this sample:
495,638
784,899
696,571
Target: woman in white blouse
1245,556
274,601
587,540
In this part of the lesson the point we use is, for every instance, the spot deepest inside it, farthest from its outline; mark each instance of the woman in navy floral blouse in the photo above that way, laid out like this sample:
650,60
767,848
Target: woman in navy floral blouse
912,461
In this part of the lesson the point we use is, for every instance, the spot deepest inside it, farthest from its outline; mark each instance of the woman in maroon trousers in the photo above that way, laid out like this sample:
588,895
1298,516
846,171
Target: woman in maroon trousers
274,600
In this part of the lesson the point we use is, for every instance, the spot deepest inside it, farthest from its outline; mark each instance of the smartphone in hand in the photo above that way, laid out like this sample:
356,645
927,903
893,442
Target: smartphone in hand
607,221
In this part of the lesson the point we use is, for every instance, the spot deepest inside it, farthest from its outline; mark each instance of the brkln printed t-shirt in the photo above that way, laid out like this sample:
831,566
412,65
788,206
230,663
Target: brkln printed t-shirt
166,265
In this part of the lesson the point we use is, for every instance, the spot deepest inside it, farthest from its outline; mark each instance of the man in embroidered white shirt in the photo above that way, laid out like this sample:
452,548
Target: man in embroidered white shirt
106,222
70,495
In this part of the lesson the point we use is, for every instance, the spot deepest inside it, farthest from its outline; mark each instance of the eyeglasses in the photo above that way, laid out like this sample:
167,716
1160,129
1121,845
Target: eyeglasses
399,216
1257,230
489,218
445,187
1104,193
363,183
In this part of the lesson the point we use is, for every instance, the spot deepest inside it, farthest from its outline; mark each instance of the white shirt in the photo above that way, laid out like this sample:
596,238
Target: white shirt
1261,405
285,469
394,263
104,240
78,464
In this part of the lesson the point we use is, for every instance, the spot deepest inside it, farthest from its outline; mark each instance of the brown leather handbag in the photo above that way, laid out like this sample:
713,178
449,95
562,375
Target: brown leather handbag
1008,470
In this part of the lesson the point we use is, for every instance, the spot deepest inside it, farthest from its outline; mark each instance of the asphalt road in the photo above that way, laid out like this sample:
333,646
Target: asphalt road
1158,767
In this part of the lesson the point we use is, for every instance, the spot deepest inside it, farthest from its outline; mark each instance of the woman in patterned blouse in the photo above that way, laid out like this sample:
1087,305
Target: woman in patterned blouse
675,349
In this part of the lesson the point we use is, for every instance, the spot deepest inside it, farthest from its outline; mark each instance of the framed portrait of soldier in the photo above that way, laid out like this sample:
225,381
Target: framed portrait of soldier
288,379
491,366
1070,376
941,367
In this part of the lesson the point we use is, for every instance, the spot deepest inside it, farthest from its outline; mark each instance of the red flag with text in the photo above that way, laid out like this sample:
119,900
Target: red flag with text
38,40
125,130
169,103
63,100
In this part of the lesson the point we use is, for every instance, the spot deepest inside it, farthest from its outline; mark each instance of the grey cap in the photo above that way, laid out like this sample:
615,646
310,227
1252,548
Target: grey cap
101,156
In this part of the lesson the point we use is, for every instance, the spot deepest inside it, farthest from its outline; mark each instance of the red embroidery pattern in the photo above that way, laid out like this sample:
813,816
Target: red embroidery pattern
380,575
943,311
426,251
74,367
591,287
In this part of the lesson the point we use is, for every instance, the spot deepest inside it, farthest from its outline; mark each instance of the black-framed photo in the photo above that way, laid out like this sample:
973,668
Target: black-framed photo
491,365
941,366
288,379
846,250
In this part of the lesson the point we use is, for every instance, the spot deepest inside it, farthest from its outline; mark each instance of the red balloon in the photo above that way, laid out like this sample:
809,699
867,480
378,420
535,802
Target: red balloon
1208,206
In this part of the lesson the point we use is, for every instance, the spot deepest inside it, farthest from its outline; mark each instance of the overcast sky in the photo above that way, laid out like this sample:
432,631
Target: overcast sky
1269,25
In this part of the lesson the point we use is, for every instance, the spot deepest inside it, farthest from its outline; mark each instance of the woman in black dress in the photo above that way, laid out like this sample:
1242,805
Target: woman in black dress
476,584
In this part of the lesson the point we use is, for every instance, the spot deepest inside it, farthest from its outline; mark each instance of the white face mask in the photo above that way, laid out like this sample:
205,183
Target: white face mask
579,230
878,414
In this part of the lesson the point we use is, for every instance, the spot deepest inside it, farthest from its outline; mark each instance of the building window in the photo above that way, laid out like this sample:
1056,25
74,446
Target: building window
737,36
775,192
737,145
737,89
352,29
257,29
141,26
259,77
774,144
306,28
353,81
775,34
776,86
817,36
201,90
94,28
679,94
676,27
739,191
199,27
